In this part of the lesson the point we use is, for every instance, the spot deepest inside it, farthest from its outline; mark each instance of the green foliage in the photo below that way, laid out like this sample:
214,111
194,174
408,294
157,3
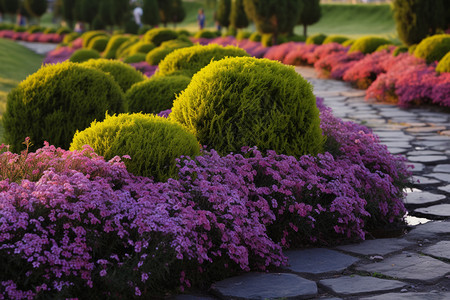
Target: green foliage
89,35
49,30
444,64
412,48
368,44
266,39
399,50
125,75
184,32
316,39
348,43
206,34
155,94
295,38
177,44
10,6
340,39
238,18
98,24
188,61
383,47
99,43
125,47
86,10
104,12
155,56
70,37
51,104
242,35
152,142
144,28
113,44
231,31
244,101
34,29
19,28
135,58
171,11
159,35
433,48
36,7
223,13
141,47
82,55
310,14
151,13
64,30
255,37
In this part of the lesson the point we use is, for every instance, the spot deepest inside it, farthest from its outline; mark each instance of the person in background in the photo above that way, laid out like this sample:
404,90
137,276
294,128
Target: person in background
137,13
201,18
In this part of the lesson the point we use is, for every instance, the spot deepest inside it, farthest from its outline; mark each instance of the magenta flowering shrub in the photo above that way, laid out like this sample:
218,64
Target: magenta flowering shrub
278,52
336,64
31,37
58,55
299,56
324,50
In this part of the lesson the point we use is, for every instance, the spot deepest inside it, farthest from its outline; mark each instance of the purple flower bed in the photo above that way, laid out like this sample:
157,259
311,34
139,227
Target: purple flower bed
75,225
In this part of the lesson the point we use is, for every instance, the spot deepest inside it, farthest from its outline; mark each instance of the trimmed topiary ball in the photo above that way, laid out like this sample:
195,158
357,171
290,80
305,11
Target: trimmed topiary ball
205,34
70,37
112,46
444,64
433,48
124,48
152,142
368,44
125,75
176,44
316,39
135,58
51,104
242,35
141,47
335,39
348,43
255,37
398,50
63,30
99,43
188,61
159,35
155,56
82,55
244,101
89,35
156,94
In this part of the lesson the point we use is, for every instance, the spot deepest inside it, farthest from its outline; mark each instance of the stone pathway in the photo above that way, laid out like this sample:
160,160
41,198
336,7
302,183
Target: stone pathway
39,48
415,266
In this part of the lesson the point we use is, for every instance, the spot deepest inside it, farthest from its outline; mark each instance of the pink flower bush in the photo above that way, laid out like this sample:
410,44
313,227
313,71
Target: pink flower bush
32,37
299,56
279,52
58,55
336,64
322,51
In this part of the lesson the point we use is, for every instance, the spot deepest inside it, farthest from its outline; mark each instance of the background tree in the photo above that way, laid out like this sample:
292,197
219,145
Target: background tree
105,16
416,19
118,11
274,16
178,12
223,13
36,8
238,17
310,14
11,7
86,11
68,9
171,11
151,12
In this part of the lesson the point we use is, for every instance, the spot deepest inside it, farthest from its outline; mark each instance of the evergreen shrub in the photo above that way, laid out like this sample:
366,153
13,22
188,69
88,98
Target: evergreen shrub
159,35
188,61
141,47
144,29
135,58
113,44
82,55
63,30
152,142
348,43
255,37
124,74
183,32
316,39
34,29
244,101
205,34
98,43
155,56
70,37
176,44
123,50
335,39
243,35
49,30
399,50
295,38
412,48
368,44
155,94
433,48
444,64
89,35
51,104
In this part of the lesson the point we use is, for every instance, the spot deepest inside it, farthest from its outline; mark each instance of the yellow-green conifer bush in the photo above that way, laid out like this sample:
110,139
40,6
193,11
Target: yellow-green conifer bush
141,47
56,101
368,44
98,43
113,44
444,64
124,74
433,48
155,56
135,58
89,35
82,55
159,35
155,94
152,142
316,39
244,101
188,61
335,39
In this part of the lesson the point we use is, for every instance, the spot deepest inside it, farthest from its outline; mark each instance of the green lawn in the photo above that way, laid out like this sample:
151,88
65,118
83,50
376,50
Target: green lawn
16,63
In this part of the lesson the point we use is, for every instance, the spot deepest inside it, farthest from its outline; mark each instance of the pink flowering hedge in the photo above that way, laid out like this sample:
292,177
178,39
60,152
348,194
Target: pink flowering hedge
74,225
32,37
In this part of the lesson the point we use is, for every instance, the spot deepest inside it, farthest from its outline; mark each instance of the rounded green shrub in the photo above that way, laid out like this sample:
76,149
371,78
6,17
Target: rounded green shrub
82,55
255,37
335,39
159,35
316,39
18,28
63,30
444,64
51,104
433,48
135,58
155,94
348,43
124,49
125,75
113,44
266,39
70,37
176,44
89,35
144,28
399,50
188,61
155,56
244,101
49,30
183,32
412,48
383,47
152,142
242,35
98,43
231,31
295,38
34,29
141,47
205,34
368,44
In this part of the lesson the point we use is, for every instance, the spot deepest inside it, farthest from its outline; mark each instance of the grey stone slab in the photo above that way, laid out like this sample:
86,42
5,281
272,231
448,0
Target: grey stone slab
441,176
353,93
427,158
431,144
439,250
265,286
435,211
424,152
318,261
443,168
421,180
418,167
425,129
398,144
445,188
409,266
395,150
376,247
422,198
357,285
410,296
191,297
429,230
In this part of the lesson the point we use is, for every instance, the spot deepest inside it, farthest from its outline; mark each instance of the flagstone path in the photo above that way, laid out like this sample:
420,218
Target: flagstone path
411,267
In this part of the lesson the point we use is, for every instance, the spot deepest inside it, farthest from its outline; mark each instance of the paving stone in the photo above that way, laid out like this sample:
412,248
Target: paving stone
441,176
439,250
191,297
318,261
354,93
445,132
409,266
444,168
429,230
422,198
418,167
357,285
427,158
435,211
410,296
413,221
424,152
265,285
445,188
399,144
395,150
421,180
425,129
430,144
376,247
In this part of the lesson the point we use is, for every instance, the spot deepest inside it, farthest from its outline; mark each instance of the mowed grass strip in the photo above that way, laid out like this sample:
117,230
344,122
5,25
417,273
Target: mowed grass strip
16,63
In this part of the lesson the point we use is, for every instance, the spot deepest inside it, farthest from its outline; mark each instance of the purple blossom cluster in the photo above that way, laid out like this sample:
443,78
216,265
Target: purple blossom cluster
58,55
73,224
32,37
